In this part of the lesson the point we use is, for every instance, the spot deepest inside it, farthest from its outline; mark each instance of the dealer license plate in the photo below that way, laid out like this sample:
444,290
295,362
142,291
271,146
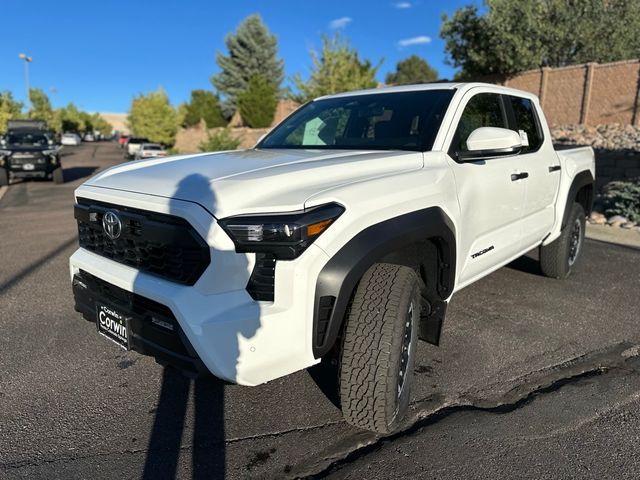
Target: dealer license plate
114,325
28,166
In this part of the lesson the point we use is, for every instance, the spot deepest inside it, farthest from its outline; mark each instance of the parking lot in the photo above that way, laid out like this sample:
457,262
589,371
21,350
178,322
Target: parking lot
534,378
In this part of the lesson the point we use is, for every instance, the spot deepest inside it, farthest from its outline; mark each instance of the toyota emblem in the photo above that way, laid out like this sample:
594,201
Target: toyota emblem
111,225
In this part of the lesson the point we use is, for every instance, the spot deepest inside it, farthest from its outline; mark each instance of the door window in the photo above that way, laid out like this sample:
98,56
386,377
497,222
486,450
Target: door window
526,123
483,110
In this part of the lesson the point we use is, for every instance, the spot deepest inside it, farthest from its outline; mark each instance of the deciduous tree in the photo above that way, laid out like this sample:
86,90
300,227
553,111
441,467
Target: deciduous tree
512,36
153,117
337,68
9,109
412,70
40,105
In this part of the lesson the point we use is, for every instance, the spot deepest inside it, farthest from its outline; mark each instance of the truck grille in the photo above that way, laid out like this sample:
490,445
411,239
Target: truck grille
159,244
21,159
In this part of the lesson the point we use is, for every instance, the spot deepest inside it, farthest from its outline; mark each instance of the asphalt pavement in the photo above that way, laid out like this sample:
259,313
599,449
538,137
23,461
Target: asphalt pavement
534,378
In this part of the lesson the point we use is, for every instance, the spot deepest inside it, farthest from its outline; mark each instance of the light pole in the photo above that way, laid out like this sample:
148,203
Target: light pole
27,61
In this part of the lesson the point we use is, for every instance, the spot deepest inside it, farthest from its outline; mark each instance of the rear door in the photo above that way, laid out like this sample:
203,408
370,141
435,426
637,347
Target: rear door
491,203
539,160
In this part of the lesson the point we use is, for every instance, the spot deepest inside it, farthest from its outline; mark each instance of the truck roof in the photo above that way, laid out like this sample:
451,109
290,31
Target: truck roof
440,85
37,125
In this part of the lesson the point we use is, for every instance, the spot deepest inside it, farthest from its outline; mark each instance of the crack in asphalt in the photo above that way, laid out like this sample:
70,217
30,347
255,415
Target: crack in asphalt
183,448
431,410
534,384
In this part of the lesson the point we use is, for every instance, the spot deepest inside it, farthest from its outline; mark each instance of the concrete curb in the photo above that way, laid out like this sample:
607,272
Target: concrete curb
616,235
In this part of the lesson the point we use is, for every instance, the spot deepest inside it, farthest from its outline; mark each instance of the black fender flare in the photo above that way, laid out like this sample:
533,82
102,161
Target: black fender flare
581,180
340,276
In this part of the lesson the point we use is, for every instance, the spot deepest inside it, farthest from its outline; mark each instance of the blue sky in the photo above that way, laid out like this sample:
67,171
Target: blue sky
100,54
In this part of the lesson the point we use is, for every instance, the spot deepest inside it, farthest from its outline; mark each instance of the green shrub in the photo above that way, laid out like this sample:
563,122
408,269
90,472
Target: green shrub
221,139
622,198
257,103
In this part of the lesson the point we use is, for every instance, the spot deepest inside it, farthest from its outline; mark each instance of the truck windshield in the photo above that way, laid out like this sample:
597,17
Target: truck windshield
406,120
27,138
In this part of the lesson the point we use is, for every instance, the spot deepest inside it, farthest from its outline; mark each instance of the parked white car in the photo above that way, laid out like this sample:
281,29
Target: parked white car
150,150
342,235
70,139
132,146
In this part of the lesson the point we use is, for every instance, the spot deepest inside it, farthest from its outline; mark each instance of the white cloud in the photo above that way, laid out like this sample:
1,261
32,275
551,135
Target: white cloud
409,42
403,5
340,23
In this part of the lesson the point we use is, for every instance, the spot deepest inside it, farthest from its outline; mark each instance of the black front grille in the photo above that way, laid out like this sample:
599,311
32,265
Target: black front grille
155,243
23,159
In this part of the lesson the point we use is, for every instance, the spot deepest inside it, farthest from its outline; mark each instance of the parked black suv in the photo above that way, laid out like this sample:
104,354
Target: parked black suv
28,151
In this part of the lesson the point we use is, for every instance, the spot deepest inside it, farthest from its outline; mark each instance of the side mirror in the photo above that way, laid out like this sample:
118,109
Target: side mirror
491,142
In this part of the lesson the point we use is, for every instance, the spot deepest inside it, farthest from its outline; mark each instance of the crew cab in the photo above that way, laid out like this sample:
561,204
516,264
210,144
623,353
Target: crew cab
342,234
28,151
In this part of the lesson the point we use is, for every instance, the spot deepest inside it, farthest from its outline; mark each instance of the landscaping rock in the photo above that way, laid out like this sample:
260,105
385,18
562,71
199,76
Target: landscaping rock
612,136
597,218
617,220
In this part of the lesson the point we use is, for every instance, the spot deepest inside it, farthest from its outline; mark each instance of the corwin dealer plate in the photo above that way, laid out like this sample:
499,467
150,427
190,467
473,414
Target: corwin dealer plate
113,325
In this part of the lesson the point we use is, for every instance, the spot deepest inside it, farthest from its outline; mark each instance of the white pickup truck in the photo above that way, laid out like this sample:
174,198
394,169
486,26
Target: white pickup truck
344,232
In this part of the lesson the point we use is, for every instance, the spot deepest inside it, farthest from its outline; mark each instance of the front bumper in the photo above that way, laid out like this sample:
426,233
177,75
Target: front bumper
236,338
154,329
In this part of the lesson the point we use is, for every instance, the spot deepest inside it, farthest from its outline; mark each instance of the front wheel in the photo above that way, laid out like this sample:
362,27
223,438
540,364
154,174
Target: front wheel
4,177
378,348
559,257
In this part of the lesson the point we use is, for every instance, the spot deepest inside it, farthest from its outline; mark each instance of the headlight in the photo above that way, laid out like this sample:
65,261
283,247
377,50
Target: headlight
50,152
284,235
5,153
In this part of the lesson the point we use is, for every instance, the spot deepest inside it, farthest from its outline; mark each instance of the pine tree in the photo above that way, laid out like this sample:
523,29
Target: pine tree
252,51
257,104
204,105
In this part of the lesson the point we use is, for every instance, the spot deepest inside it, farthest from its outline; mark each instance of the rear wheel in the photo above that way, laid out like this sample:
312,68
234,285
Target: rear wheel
4,177
58,176
559,257
378,349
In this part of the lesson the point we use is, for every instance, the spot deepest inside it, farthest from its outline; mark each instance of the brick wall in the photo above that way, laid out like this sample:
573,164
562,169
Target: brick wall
590,93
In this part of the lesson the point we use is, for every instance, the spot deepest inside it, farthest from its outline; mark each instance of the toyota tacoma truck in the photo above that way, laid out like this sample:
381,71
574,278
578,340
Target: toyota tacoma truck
342,234
28,151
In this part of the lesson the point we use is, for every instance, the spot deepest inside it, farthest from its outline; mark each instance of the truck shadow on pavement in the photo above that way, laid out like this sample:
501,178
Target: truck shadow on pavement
172,413
72,174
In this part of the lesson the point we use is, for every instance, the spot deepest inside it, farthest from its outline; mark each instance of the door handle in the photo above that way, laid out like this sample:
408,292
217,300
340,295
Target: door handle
554,168
519,176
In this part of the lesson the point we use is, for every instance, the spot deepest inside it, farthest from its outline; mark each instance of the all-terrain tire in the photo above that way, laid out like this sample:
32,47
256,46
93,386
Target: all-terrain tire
58,176
4,177
559,257
378,348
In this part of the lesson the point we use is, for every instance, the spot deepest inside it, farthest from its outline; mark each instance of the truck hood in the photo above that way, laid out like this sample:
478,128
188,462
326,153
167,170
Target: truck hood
250,181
